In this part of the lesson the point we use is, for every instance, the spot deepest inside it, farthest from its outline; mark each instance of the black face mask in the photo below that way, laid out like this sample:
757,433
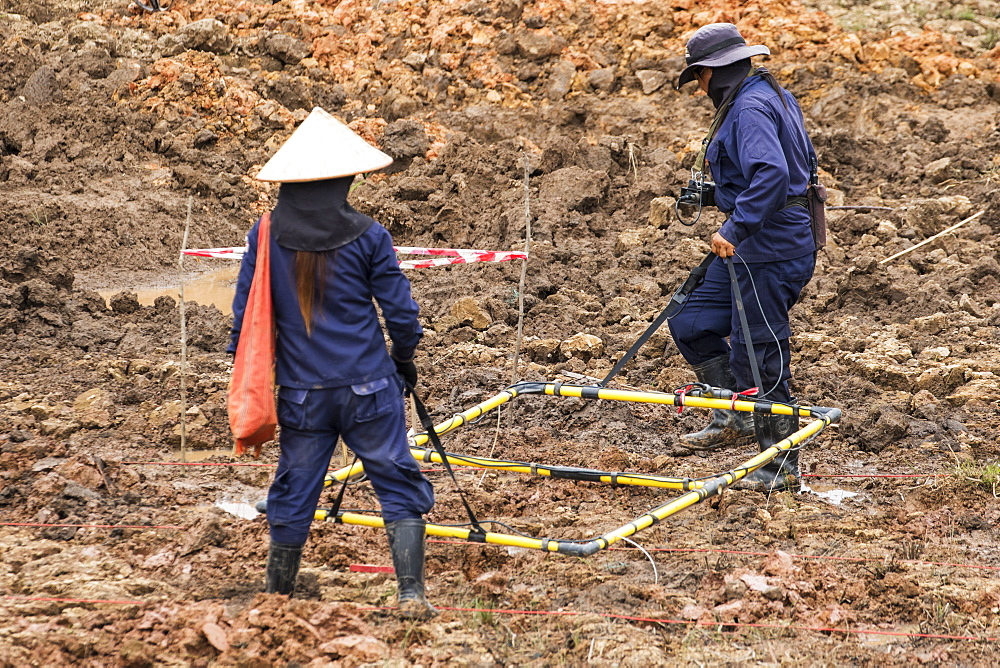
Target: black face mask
726,79
315,216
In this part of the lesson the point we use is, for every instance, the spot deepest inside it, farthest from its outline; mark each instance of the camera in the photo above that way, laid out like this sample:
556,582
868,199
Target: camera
697,193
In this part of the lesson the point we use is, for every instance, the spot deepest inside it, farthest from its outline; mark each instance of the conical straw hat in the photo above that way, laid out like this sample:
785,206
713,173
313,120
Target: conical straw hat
322,148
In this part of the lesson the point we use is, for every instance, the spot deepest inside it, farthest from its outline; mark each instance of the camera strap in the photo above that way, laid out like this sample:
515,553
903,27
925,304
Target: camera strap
720,115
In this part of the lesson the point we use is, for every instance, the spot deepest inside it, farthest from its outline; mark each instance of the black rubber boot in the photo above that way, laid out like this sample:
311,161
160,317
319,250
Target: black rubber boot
406,543
782,472
727,427
282,568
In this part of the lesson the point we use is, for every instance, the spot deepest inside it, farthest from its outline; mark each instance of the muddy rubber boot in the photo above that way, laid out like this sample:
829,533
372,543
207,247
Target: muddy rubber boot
782,472
727,427
282,568
406,543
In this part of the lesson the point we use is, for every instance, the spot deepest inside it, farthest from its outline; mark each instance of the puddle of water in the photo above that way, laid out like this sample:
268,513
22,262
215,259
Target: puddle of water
214,288
829,493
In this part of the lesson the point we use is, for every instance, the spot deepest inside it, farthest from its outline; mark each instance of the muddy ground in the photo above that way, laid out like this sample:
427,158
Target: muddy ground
500,113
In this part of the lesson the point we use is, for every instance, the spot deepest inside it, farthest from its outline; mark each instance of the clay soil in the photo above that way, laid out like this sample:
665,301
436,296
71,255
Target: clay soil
119,549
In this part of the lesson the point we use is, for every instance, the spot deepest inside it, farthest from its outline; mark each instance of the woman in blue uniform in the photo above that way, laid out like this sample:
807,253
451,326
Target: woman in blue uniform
336,377
759,156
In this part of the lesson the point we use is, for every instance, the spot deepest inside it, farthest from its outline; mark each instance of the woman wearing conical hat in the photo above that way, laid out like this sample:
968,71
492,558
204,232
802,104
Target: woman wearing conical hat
335,375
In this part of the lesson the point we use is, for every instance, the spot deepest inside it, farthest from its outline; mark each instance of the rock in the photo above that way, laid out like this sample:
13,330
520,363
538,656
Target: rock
58,428
365,649
602,79
780,564
542,350
734,588
415,60
286,48
940,381
469,312
582,346
924,404
939,170
125,301
651,80
617,309
47,464
93,34
760,583
967,304
445,323
931,216
41,87
404,140
879,370
561,79
982,390
931,324
416,188
75,490
728,611
92,409
204,35
692,611
396,105
627,240
216,636
576,188
661,212
538,44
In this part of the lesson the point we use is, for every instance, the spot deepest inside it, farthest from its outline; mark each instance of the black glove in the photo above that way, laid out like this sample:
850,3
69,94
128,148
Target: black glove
408,372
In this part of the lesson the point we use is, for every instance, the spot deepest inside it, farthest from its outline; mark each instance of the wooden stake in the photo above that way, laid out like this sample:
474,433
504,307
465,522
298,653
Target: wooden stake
930,239
180,271
524,272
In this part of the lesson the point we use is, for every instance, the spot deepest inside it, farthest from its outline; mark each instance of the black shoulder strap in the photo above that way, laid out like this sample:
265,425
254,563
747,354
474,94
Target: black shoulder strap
694,279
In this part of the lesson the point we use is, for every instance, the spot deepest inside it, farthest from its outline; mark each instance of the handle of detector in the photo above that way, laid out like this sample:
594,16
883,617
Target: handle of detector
694,279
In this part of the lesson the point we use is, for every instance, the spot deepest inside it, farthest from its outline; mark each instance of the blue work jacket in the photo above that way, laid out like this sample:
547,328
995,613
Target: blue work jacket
347,346
760,157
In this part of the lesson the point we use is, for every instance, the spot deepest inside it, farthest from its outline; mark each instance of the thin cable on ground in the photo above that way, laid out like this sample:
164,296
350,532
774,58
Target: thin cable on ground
915,562
656,575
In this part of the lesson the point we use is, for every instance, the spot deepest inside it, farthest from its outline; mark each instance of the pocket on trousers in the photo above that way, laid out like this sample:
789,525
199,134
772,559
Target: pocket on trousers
374,399
292,407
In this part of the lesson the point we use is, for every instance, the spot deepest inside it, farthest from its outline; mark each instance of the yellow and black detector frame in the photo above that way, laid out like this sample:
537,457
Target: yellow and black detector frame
695,490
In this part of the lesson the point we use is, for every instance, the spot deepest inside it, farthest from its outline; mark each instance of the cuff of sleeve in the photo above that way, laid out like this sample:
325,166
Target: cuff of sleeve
732,233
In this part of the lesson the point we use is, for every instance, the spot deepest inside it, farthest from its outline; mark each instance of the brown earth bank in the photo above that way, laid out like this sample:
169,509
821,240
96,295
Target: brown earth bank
124,132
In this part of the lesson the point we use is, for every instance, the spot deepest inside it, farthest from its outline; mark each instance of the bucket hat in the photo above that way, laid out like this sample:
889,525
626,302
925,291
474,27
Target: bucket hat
322,148
715,45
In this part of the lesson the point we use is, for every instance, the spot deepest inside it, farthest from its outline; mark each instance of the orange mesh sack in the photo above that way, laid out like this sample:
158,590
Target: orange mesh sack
253,417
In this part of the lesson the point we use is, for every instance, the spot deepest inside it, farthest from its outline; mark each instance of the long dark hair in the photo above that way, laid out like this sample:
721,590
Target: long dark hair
310,278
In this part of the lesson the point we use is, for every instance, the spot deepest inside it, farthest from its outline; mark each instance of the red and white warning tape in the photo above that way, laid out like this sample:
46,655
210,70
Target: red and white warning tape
446,256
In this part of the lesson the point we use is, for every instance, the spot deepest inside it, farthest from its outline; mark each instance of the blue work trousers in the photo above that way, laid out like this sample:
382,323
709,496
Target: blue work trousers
710,322
371,419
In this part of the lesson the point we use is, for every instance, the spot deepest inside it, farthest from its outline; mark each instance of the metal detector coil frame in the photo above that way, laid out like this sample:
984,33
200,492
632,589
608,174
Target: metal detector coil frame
695,490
